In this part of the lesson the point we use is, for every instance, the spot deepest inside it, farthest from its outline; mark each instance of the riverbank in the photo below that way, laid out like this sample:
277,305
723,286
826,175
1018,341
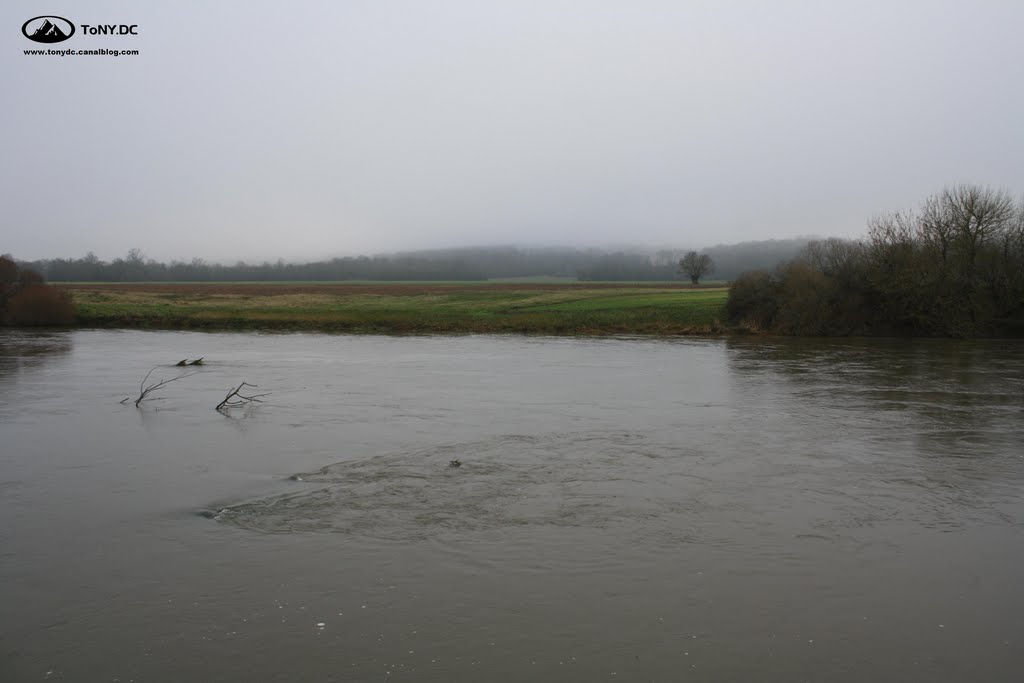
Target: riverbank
403,308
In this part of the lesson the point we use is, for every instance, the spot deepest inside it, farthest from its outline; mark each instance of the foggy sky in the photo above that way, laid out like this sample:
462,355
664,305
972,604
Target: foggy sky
305,130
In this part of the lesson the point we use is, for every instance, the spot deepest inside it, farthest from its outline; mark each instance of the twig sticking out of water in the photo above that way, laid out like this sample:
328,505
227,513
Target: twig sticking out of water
236,398
145,390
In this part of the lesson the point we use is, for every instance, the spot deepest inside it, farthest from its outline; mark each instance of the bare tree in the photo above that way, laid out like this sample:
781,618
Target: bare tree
695,266
832,256
961,221
236,398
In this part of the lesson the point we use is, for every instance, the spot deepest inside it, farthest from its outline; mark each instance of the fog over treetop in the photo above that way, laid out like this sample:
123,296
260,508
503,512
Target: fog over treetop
313,130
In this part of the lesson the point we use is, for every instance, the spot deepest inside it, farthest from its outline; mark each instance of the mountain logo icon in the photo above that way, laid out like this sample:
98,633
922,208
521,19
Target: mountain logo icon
48,29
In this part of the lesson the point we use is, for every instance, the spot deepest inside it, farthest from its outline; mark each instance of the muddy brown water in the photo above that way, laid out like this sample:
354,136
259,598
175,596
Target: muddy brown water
625,509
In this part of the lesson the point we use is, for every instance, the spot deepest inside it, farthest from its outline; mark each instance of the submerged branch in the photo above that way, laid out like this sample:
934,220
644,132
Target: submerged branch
145,390
236,398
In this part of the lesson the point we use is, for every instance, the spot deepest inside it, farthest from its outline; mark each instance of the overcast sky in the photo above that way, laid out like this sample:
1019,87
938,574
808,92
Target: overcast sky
304,130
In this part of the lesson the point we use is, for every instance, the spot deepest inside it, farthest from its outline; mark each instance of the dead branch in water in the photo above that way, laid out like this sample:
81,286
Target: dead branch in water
235,398
145,390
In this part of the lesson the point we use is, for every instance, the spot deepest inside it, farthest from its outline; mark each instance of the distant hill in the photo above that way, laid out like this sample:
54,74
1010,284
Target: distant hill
462,263
624,263
733,259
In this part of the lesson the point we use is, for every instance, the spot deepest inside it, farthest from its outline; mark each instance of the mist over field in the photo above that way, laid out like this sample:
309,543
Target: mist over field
462,263
331,130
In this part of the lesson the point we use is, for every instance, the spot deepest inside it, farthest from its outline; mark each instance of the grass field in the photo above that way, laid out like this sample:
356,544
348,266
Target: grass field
525,307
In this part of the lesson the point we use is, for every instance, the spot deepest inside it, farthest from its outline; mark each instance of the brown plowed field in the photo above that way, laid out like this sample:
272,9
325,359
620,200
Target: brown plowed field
342,288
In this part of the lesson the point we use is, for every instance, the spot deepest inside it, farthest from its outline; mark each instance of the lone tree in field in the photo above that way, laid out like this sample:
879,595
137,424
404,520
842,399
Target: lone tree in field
695,266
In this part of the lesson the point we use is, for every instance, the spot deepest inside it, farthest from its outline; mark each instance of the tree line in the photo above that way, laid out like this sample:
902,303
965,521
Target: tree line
954,267
470,263
135,267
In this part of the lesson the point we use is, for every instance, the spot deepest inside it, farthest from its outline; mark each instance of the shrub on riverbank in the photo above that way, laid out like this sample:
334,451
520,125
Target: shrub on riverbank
955,268
25,299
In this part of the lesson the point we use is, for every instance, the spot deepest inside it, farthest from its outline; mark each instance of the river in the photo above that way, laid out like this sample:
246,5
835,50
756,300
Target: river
624,509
